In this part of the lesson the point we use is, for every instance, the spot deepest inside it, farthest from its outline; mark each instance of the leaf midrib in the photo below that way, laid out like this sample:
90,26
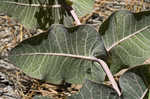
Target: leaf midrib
90,58
126,38
33,5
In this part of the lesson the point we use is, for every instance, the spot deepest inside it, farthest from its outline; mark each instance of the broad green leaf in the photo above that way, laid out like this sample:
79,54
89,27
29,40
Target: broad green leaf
92,90
83,7
61,54
133,83
36,13
126,37
42,13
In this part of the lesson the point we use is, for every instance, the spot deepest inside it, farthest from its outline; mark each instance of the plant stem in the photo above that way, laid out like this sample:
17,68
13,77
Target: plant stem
73,13
75,17
110,76
101,62
144,94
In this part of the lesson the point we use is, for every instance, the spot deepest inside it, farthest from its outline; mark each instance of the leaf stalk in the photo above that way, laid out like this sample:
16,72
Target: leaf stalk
109,74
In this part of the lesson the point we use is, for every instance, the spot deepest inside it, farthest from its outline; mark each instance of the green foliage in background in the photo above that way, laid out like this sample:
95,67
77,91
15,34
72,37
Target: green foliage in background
42,14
